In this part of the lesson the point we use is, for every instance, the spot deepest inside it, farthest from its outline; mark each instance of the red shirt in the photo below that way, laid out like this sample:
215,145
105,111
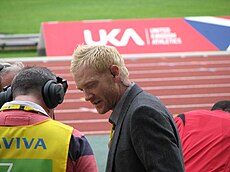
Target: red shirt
205,138
82,158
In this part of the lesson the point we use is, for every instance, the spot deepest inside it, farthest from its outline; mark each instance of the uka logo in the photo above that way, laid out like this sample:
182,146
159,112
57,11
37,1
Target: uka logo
110,37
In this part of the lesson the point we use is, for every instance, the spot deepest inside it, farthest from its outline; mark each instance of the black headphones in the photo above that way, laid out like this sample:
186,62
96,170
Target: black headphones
52,92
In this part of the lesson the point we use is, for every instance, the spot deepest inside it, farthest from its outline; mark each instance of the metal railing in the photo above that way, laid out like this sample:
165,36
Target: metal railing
18,41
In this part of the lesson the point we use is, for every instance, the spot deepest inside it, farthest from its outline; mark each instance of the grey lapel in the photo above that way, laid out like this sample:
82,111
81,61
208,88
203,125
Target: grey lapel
132,94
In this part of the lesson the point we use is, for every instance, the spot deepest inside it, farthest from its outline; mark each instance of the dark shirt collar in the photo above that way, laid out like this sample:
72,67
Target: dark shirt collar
117,110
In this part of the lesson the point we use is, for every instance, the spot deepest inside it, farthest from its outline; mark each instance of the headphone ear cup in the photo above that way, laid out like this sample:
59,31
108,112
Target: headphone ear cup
53,94
5,96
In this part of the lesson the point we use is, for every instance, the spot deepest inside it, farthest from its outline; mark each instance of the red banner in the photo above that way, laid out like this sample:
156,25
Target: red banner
143,36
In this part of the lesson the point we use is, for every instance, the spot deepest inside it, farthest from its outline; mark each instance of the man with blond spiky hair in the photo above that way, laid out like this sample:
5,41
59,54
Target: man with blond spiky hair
144,136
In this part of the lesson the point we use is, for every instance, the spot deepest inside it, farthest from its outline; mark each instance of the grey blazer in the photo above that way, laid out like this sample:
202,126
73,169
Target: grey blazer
145,138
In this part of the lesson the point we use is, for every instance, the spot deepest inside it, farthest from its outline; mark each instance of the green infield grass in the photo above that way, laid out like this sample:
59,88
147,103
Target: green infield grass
26,16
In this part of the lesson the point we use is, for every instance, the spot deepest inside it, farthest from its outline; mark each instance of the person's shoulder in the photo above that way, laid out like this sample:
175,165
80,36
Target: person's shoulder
62,125
77,133
203,115
198,112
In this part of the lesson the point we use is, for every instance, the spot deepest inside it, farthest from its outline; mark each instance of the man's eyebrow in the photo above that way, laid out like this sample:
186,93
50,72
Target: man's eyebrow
87,84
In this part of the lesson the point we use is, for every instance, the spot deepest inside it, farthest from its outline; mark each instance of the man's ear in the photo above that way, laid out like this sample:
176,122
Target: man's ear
114,70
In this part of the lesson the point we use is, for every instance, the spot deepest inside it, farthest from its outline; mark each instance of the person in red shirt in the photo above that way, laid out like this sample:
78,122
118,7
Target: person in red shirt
205,138
30,140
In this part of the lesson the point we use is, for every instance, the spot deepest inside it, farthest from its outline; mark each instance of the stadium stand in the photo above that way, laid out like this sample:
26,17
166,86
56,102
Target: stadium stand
18,41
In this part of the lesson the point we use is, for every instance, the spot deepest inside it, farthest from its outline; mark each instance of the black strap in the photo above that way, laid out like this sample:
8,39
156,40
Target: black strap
2,66
182,116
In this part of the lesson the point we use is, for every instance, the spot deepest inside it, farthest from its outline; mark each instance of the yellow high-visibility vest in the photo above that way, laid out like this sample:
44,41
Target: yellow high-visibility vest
41,147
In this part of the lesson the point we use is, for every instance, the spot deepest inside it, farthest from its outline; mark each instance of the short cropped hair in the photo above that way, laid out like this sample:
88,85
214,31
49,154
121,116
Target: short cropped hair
31,80
99,57
222,105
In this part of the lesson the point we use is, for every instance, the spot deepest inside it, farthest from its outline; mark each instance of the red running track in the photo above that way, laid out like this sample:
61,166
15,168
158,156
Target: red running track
182,84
